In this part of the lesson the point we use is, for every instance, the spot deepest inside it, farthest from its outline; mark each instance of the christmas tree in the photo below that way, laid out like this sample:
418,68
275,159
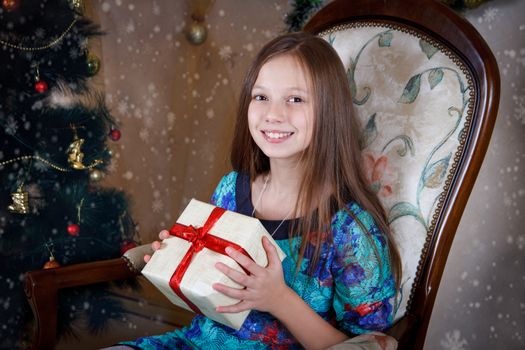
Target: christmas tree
55,135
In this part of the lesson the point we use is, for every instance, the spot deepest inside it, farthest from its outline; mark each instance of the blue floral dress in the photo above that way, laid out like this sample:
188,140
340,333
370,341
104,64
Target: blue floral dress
352,288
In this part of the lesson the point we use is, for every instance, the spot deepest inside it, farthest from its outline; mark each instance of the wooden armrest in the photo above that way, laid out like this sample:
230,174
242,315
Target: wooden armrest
404,331
41,288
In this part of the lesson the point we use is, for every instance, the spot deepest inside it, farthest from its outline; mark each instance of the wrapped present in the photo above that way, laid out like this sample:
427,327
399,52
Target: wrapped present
183,269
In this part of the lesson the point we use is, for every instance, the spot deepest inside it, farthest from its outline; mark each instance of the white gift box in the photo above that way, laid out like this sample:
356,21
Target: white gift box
201,274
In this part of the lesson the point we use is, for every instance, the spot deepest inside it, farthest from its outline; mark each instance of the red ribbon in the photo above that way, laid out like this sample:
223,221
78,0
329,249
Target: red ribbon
199,239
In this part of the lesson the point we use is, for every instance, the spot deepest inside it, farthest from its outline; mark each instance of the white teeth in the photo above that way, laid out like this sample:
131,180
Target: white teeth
277,135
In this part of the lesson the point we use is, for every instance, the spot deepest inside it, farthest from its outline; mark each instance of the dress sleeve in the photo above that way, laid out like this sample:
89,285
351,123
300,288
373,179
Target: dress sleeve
364,287
224,194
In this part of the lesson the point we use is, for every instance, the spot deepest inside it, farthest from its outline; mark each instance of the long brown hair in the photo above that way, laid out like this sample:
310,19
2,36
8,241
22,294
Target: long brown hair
333,159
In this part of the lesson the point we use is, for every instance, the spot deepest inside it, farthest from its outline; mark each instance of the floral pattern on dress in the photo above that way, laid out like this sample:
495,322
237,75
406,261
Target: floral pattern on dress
351,288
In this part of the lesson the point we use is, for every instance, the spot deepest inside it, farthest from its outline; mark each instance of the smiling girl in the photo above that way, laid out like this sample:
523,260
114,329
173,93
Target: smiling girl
297,167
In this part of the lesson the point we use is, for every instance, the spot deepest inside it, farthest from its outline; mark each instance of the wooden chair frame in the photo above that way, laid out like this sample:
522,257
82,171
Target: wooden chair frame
428,16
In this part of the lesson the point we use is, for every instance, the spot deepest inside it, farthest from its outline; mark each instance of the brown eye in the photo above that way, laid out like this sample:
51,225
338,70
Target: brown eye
295,99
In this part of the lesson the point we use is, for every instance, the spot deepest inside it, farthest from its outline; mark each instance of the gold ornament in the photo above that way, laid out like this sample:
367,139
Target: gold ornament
74,153
93,64
77,5
20,200
196,33
95,175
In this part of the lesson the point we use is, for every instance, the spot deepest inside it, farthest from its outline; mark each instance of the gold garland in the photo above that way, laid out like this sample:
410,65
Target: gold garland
45,161
44,47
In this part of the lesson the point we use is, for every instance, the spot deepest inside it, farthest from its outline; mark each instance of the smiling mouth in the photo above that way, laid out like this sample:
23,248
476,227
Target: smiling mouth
276,135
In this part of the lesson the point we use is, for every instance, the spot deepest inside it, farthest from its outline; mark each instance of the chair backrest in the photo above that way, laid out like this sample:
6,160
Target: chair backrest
426,88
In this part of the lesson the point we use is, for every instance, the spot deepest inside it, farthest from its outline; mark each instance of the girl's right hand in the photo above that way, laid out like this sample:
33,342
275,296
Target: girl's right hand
155,245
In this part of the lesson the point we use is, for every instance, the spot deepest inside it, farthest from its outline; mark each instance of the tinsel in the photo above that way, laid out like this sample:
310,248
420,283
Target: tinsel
35,133
302,10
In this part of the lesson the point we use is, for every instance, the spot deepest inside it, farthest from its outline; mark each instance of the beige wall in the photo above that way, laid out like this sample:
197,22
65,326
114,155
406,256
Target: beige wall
176,101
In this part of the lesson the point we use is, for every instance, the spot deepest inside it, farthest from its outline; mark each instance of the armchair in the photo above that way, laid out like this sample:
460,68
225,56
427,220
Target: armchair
426,87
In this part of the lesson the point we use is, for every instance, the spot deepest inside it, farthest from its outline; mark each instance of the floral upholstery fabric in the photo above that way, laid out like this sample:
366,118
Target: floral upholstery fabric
413,99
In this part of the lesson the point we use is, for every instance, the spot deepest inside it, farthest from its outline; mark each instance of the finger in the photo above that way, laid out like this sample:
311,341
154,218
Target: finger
155,245
235,308
235,275
243,260
234,293
271,252
164,234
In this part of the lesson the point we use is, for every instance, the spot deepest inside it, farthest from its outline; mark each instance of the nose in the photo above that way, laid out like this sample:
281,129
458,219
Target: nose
275,113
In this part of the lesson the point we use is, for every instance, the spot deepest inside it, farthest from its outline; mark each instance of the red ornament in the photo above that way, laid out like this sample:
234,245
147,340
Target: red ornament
10,5
115,134
41,86
51,264
127,245
73,230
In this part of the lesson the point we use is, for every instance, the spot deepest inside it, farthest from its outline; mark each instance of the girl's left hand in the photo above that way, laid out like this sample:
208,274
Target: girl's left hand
264,289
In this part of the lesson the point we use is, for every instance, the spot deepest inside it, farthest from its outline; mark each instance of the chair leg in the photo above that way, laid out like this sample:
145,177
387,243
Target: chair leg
44,303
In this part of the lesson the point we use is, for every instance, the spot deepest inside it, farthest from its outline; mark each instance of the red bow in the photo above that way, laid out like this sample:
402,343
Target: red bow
199,239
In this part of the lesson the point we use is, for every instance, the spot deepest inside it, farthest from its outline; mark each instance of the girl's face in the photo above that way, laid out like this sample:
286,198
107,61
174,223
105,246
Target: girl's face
281,111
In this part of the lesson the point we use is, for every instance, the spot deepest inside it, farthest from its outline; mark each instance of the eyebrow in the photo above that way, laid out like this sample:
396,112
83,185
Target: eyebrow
292,89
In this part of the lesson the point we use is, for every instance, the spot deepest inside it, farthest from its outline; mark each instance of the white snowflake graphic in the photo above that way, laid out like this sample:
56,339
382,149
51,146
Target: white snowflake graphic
267,33
249,47
122,107
507,200
519,110
58,45
170,117
225,53
113,165
144,134
149,103
490,14
130,27
106,7
152,88
453,341
83,43
157,205
137,113
73,53
40,166
520,242
11,127
40,33
148,122
156,8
